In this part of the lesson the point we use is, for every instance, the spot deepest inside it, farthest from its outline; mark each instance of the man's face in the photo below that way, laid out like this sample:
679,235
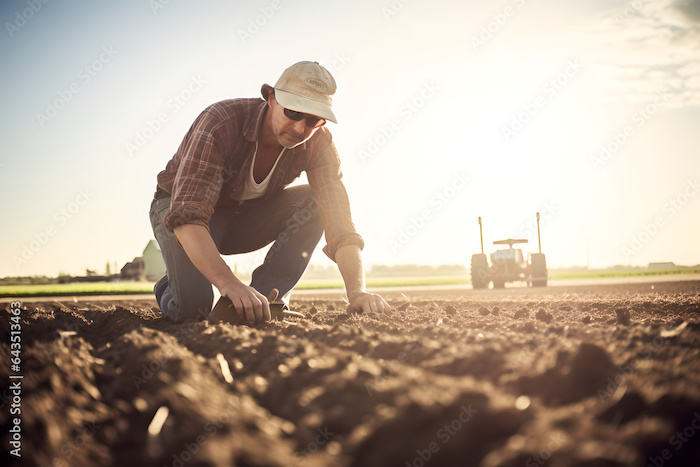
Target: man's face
289,133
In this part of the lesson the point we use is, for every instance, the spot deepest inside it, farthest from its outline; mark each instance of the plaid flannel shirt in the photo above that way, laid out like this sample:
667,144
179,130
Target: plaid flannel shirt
210,166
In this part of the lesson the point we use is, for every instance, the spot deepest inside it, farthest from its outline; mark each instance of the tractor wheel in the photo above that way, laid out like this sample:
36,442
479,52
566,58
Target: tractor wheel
538,270
499,283
480,271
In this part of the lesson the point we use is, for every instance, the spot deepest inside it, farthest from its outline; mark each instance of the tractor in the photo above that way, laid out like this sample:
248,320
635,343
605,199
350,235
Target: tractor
508,264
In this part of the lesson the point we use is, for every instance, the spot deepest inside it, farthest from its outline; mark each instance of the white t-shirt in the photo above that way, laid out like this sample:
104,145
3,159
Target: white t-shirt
252,189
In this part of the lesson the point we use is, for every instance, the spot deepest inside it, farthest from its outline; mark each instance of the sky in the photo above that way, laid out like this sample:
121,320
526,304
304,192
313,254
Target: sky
585,111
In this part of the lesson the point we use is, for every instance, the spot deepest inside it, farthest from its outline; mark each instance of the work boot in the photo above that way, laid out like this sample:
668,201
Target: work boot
159,288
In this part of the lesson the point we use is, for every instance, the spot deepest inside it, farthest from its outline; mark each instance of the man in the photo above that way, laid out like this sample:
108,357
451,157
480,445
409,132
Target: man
224,193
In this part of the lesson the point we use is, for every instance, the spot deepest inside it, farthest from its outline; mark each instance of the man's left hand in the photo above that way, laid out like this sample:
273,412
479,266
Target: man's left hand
363,302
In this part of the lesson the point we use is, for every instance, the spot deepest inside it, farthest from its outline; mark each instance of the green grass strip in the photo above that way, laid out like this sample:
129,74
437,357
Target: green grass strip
109,288
76,288
603,273
125,288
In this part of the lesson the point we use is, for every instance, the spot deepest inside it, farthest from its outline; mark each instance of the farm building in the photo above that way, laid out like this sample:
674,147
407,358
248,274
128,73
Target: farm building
153,261
149,265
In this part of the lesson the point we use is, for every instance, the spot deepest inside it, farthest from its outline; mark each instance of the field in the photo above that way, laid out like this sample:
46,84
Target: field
121,288
605,375
135,287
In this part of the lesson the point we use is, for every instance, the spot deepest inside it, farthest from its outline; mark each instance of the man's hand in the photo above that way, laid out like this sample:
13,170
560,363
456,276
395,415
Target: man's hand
249,303
200,248
363,302
350,266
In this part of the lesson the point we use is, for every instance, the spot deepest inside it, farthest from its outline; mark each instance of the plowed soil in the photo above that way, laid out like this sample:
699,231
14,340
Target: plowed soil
563,376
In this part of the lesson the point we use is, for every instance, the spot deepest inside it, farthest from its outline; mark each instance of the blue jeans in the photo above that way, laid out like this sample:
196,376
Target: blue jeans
291,220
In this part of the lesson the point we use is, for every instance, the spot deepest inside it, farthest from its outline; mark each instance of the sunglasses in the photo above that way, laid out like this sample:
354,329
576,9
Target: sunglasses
311,122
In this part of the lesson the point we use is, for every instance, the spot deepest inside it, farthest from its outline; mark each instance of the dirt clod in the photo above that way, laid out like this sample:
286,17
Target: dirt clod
522,313
543,316
623,316
629,407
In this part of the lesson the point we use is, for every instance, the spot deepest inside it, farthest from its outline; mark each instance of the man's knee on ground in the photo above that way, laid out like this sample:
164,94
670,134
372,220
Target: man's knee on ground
189,308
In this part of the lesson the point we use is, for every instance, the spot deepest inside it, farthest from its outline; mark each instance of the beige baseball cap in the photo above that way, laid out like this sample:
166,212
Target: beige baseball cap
305,87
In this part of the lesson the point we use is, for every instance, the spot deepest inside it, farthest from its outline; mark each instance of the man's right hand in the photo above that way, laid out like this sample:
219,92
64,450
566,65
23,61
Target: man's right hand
200,248
250,304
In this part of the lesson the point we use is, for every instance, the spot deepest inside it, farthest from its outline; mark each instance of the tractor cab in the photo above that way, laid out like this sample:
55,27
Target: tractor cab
509,255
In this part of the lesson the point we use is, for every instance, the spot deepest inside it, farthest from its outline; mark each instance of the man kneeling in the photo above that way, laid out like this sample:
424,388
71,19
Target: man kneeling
223,192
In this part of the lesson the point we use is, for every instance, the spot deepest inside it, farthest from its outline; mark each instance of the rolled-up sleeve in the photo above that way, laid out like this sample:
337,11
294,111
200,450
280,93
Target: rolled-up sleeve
198,181
325,178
